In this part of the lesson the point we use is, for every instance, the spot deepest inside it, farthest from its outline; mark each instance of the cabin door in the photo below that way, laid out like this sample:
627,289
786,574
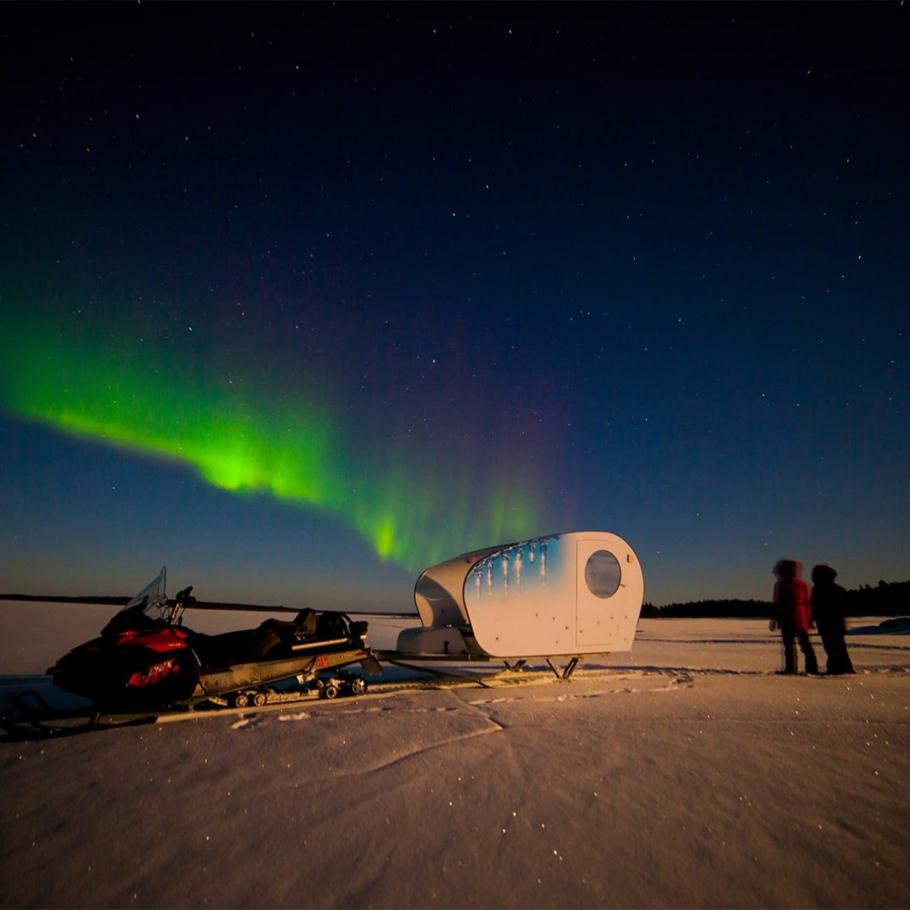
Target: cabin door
600,604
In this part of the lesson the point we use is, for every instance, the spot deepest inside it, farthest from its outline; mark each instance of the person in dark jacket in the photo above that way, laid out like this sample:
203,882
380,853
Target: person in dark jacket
793,613
828,612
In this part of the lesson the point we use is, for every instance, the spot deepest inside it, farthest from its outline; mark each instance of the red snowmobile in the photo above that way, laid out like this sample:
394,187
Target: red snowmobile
146,659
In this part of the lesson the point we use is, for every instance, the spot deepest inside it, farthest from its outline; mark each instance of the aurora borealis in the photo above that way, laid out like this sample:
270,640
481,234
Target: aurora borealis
239,440
300,299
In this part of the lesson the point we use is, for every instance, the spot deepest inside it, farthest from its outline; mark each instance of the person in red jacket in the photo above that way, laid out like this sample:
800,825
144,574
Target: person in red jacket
793,613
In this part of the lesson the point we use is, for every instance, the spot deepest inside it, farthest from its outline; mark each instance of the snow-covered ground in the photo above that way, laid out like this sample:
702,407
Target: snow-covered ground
685,773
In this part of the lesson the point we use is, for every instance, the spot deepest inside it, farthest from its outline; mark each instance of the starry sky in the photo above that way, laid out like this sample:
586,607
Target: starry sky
300,299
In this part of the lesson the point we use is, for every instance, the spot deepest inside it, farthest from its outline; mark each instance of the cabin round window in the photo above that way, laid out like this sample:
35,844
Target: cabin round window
602,573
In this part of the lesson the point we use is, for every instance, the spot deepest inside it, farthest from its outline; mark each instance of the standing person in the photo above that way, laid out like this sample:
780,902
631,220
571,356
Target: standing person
793,613
828,612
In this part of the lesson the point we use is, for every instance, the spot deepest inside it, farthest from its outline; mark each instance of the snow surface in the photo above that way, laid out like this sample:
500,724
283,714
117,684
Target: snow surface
683,774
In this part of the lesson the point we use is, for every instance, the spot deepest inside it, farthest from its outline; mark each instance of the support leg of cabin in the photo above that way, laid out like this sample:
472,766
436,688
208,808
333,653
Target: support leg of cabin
567,671
516,666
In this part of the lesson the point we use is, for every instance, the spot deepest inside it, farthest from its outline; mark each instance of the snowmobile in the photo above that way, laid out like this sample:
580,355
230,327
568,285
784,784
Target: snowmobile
146,659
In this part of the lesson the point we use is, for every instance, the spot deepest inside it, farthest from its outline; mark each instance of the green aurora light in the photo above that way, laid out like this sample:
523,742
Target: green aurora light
239,438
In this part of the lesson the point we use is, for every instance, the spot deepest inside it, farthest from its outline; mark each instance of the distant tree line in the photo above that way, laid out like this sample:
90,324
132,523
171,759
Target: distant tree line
884,599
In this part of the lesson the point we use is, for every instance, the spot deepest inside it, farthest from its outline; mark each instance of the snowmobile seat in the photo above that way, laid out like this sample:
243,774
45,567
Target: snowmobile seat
244,646
305,623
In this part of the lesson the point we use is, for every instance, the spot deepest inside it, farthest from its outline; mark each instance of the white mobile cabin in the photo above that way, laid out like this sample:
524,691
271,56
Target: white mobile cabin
568,594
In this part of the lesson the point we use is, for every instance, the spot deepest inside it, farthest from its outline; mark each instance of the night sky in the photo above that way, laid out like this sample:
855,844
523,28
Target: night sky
299,299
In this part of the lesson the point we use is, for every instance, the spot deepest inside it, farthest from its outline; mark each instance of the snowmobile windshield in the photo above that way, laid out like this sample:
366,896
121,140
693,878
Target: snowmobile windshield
152,598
